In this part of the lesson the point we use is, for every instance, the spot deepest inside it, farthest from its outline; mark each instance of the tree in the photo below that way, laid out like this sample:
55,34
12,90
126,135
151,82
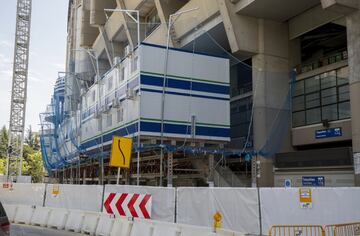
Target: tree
32,159
2,166
3,142
33,165
32,139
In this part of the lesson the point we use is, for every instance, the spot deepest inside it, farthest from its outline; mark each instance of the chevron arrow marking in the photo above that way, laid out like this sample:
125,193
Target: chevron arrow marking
119,204
143,208
131,205
128,204
108,202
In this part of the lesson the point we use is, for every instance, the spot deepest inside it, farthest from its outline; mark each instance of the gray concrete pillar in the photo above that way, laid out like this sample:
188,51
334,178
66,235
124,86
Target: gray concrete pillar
271,76
353,38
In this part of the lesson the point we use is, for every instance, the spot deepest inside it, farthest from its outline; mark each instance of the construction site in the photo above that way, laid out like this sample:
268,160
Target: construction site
212,93
192,118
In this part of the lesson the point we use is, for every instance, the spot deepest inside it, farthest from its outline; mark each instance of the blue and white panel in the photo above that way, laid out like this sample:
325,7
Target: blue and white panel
197,87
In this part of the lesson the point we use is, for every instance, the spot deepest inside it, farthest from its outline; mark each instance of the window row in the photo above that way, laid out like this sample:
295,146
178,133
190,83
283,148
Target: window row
322,97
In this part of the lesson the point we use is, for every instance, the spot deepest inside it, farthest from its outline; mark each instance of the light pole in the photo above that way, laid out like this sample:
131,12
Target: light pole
137,21
170,24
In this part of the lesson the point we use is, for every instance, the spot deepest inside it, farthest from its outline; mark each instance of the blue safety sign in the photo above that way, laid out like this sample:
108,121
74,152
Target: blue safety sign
328,133
313,181
288,183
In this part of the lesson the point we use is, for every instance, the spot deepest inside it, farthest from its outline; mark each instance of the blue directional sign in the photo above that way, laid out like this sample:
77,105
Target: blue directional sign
328,133
287,183
313,181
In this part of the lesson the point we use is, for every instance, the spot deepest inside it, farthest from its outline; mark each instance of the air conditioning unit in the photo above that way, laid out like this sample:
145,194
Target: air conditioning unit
117,60
97,114
130,94
127,50
107,108
115,103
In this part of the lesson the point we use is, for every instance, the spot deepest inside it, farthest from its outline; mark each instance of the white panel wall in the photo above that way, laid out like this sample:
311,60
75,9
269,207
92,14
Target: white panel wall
238,206
184,64
163,199
82,197
23,194
205,110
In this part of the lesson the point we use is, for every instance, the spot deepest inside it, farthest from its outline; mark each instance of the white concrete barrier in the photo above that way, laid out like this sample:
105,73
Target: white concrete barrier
167,229
239,208
74,221
80,197
23,214
57,218
105,225
189,230
142,228
163,199
40,216
121,227
224,232
10,211
23,194
90,223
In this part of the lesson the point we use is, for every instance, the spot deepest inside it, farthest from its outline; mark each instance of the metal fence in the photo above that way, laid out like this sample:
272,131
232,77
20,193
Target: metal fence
297,230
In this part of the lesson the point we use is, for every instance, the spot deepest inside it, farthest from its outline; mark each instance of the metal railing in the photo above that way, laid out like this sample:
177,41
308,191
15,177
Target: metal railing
348,229
297,230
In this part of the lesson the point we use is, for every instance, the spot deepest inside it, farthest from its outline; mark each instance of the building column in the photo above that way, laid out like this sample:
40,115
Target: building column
353,38
271,76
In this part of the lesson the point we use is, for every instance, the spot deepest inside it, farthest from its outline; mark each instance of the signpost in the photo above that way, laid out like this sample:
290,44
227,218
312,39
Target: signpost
121,151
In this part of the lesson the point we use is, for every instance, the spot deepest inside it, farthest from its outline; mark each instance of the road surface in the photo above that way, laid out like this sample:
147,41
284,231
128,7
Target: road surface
25,230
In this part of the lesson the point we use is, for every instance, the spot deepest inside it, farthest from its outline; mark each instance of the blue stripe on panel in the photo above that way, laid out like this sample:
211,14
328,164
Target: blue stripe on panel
185,94
131,129
186,85
184,129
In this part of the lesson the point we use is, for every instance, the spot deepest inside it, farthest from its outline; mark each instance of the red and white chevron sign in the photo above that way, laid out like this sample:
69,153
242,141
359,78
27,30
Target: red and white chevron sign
128,204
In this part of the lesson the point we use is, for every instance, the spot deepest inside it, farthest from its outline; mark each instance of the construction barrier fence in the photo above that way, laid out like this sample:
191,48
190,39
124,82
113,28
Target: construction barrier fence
257,211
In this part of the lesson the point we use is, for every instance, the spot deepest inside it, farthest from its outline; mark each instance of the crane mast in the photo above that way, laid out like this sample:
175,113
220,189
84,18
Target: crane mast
19,89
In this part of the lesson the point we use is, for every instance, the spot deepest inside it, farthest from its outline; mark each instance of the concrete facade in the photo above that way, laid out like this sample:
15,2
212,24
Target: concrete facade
274,38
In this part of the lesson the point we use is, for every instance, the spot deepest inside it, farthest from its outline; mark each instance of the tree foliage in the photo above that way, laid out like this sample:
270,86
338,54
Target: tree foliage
32,160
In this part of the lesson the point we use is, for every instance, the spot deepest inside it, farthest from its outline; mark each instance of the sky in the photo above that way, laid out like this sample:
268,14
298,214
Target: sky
47,55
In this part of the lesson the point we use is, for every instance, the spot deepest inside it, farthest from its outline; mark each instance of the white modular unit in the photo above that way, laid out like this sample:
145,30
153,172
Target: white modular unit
127,101
196,94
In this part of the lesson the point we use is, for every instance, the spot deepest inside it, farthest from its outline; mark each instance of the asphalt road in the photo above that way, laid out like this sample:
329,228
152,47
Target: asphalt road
25,230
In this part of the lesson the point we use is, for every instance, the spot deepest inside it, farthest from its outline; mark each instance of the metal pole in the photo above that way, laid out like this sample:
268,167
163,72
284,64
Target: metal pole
164,88
163,101
138,26
170,169
211,170
139,138
118,176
